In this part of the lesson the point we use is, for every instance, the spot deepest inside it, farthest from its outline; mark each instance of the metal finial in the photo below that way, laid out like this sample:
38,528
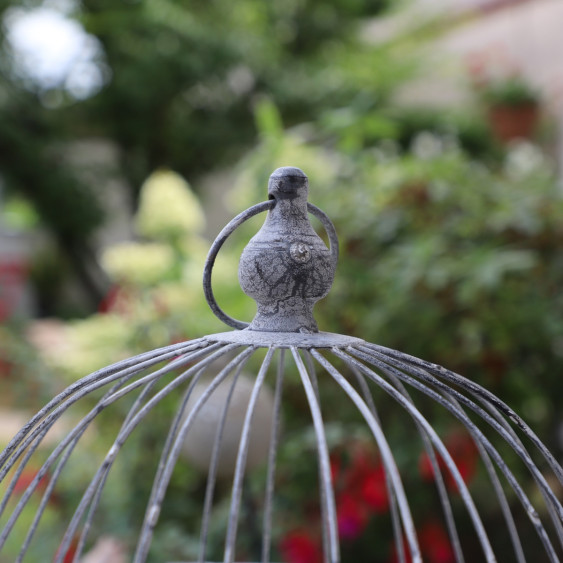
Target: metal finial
286,267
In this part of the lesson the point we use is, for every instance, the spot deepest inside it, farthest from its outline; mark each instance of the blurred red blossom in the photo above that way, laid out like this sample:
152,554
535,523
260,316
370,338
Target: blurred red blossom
434,545
352,516
464,453
300,546
26,478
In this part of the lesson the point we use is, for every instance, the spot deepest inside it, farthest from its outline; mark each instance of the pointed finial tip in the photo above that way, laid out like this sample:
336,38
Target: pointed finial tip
288,181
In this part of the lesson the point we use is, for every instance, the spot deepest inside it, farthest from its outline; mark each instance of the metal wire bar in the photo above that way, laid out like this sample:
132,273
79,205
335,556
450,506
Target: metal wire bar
56,474
230,541
395,517
272,451
136,363
438,478
55,477
159,487
97,497
323,504
480,391
544,488
44,426
385,451
327,496
499,491
437,442
504,423
38,427
213,466
467,422
124,433
494,480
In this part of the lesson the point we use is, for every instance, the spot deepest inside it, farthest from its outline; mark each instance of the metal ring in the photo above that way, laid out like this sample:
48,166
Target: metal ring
229,229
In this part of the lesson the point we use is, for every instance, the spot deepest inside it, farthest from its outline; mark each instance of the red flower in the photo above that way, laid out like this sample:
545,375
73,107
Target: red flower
435,543
70,552
352,516
299,546
25,479
464,454
374,490
335,468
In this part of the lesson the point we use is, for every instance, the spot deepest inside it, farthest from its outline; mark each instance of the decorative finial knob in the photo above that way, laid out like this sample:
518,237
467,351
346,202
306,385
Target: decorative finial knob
286,267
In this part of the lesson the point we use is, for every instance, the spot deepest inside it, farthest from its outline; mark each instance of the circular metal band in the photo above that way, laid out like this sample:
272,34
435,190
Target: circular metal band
230,228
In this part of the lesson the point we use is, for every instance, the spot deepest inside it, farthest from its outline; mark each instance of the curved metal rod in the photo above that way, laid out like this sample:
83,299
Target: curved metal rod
327,496
100,487
438,478
325,532
531,512
228,231
395,517
474,388
55,476
438,444
146,359
212,255
497,486
134,409
41,474
270,478
213,467
159,487
38,433
492,475
127,427
543,486
386,454
230,540
552,503
43,421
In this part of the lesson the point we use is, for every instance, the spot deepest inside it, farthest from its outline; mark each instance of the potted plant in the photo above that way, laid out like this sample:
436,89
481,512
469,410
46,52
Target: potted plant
511,103
512,108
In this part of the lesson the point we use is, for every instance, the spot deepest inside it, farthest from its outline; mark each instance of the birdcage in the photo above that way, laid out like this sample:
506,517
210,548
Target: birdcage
286,268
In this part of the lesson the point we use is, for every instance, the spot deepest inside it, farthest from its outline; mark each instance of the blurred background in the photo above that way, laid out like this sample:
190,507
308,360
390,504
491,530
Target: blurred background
131,131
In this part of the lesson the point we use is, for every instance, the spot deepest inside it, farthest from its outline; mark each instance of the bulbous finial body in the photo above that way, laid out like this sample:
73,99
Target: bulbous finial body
286,267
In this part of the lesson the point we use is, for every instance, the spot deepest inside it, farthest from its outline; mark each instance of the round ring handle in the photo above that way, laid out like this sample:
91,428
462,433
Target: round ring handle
230,228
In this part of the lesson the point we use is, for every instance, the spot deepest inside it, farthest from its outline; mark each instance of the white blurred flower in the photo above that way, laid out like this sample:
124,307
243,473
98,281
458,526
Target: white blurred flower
136,263
427,145
91,344
167,207
523,158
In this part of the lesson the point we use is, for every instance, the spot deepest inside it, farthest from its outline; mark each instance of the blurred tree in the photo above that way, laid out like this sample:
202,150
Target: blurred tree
177,86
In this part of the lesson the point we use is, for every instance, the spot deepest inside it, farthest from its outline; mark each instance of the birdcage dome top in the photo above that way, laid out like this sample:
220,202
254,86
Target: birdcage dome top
286,268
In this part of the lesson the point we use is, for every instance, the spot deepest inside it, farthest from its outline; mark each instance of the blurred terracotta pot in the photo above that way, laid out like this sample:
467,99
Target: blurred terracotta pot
510,122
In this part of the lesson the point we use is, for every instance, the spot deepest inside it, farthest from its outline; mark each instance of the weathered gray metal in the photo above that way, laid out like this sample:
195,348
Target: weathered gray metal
286,268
